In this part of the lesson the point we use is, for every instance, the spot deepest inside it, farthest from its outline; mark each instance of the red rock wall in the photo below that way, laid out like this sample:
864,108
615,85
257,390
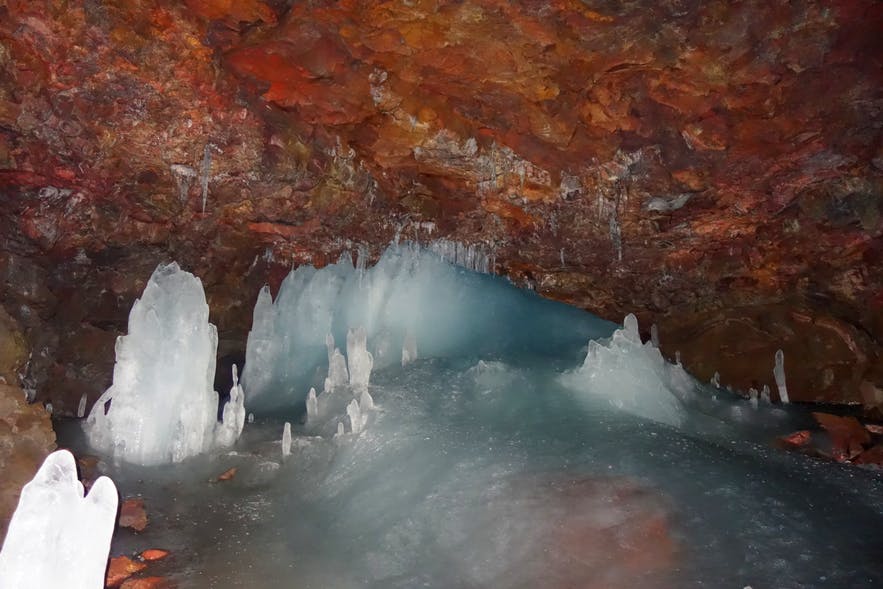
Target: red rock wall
715,167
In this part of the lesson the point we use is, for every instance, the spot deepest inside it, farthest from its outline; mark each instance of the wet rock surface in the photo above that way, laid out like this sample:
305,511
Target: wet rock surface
714,167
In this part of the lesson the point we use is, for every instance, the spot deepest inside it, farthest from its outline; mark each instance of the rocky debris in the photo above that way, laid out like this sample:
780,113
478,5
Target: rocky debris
674,162
26,435
133,515
152,554
848,436
120,569
841,438
796,439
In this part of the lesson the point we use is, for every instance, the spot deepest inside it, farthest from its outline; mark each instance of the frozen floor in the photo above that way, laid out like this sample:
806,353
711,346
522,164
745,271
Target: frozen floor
484,475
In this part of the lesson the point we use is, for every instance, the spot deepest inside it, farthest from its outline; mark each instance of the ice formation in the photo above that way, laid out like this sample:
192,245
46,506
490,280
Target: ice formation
633,376
779,375
338,375
359,360
161,406
286,439
81,408
410,300
355,415
312,404
654,335
366,401
233,415
57,537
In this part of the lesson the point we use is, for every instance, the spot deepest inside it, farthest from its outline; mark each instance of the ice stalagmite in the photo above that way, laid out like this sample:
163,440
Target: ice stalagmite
355,415
409,349
81,408
57,537
337,369
233,417
312,404
286,439
161,406
359,359
366,401
632,376
779,375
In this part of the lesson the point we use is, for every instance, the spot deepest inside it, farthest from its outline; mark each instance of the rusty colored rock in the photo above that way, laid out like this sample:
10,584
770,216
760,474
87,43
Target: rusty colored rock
148,583
692,163
153,554
871,456
796,439
120,569
133,515
847,434
227,475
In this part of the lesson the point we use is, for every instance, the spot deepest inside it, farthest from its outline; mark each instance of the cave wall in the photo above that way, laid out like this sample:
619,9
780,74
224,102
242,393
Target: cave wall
715,167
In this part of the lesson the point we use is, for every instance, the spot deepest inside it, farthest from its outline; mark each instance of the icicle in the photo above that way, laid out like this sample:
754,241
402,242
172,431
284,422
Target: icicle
312,404
562,257
779,375
765,394
616,236
654,336
286,440
205,172
81,408
355,415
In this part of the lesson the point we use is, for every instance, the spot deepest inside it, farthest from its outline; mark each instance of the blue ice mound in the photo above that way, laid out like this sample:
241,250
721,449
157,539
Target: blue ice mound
411,303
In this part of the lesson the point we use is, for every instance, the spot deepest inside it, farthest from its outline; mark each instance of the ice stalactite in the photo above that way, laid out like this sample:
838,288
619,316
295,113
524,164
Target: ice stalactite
233,415
161,406
205,171
57,537
779,375
472,257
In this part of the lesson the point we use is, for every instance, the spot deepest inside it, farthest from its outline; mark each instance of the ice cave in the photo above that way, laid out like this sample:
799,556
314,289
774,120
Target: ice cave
470,294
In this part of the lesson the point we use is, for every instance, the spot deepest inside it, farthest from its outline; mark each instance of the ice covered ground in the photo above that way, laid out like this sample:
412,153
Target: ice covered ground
508,454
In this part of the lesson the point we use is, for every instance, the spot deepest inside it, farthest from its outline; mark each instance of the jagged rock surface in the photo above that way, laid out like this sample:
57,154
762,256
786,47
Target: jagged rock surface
716,168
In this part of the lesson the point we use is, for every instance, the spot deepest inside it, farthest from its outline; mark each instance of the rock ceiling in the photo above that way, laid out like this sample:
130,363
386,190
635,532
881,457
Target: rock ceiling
716,167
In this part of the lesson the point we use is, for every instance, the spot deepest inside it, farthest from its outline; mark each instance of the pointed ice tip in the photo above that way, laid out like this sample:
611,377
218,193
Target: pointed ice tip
630,325
235,375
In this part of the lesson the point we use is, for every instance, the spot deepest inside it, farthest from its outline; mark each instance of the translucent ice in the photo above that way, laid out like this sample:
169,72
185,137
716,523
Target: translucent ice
358,359
57,537
312,404
81,408
409,349
338,375
161,406
233,416
410,294
632,376
779,375
355,415
286,439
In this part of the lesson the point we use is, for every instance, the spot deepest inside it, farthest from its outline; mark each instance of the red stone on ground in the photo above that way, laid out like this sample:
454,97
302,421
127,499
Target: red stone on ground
133,515
227,474
796,439
872,456
152,554
148,583
120,569
874,428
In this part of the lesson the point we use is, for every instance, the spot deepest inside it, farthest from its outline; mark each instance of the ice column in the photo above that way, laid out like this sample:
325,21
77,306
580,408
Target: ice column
233,417
161,406
57,537
337,372
355,415
779,375
81,408
286,440
359,359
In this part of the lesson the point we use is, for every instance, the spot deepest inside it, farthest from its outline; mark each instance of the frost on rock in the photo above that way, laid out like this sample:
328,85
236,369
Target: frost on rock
161,406
57,537
233,416
632,376
359,359
779,375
